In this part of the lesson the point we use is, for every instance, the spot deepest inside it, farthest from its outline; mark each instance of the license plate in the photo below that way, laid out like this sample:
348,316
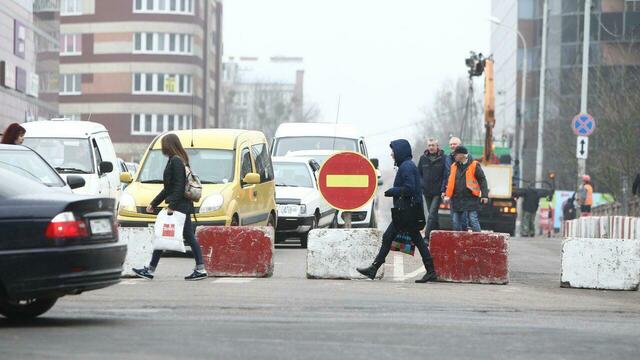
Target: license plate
288,210
100,226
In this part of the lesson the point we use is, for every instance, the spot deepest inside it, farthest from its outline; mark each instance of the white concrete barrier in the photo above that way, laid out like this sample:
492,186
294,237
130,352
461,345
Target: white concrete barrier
610,264
335,253
139,241
604,227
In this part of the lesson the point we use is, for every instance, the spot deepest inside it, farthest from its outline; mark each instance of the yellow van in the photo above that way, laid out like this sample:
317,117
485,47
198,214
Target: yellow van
234,166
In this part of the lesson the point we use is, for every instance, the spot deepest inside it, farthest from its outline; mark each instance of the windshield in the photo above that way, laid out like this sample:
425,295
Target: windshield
212,166
289,144
292,174
70,156
29,164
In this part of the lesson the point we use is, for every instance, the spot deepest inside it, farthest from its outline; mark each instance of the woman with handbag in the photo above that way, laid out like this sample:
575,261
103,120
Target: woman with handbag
175,180
407,214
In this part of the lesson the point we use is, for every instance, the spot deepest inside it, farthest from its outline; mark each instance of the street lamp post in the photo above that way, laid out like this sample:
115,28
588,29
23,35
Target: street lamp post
523,84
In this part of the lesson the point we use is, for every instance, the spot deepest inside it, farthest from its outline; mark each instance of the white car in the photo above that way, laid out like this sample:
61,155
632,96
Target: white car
319,141
300,206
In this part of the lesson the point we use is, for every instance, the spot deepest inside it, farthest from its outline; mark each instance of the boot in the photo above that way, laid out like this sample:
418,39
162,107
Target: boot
370,271
430,275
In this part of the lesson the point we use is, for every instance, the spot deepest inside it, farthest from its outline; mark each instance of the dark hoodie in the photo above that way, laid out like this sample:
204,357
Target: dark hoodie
407,182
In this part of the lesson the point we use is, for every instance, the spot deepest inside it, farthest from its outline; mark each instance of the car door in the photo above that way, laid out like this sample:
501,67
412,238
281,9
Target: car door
266,189
248,192
326,211
109,154
103,188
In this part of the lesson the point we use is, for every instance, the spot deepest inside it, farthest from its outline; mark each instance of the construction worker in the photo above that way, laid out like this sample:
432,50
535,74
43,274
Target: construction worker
585,196
466,190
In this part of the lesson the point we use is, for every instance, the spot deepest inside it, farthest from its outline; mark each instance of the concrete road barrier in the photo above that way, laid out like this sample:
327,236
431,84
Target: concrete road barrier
605,227
335,253
237,251
480,258
610,264
139,241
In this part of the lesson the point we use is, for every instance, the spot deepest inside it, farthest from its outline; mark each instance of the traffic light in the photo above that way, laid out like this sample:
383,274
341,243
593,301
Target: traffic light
475,63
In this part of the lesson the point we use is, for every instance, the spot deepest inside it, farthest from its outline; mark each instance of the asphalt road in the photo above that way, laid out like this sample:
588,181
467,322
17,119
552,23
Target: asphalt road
290,317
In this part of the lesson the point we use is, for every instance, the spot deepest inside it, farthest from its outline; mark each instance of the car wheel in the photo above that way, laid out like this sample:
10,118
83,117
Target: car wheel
334,223
304,239
26,309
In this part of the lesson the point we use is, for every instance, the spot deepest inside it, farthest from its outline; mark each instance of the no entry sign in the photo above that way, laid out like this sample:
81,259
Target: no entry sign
347,181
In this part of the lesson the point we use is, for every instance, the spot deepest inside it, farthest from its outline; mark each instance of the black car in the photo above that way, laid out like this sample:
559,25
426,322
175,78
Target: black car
53,244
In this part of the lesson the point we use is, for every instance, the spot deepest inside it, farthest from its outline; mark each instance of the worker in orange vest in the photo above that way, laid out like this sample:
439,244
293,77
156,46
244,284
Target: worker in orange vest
466,190
585,196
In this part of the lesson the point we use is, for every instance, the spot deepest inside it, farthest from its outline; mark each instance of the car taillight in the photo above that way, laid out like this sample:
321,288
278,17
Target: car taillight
65,225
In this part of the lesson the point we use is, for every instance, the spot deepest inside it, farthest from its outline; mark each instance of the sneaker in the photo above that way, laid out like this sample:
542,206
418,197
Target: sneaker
196,275
143,273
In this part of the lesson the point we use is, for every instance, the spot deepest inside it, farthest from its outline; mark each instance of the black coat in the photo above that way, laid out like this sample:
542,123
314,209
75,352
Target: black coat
463,199
406,185
174,179
432,168
532,199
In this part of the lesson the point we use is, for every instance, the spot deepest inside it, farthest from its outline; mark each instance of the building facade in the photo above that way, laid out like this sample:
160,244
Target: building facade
614,50
141,67
261,94
22,47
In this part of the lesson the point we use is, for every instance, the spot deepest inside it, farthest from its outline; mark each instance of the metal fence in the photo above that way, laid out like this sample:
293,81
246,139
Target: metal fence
617,209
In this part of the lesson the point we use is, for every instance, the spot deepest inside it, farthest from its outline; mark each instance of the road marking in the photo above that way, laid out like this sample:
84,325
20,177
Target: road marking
352,181
398,268
233,280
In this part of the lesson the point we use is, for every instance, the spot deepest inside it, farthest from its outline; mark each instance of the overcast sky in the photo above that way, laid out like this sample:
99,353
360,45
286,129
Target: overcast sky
384,59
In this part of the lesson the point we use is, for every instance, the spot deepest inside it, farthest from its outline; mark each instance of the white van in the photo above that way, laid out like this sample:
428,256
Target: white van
77,148
319,141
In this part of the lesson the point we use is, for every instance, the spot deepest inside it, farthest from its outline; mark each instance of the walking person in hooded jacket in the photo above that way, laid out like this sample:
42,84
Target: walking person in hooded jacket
432,169
406,189
175,181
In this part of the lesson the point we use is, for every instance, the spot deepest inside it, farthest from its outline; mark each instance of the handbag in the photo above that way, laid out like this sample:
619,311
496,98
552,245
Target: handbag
409,216
403,244
168,231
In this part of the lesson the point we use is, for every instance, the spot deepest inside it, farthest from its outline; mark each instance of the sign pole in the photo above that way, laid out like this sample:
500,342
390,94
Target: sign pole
582,163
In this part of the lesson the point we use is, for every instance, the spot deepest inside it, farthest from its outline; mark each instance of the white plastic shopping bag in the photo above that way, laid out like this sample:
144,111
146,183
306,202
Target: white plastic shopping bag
168,231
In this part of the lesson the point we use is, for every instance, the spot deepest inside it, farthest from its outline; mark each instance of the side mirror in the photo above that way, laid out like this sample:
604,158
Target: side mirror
375,163
126,178
106,167
251,179
75,181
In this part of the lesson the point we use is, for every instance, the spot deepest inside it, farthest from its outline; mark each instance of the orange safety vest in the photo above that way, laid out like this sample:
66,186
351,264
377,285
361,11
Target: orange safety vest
472,182
589,190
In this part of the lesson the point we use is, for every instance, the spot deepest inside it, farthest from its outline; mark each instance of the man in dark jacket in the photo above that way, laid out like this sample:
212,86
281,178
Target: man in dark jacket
530,207
432,168
405,191
466,189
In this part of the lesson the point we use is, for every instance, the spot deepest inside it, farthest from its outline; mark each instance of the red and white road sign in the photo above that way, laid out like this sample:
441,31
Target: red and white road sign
347,181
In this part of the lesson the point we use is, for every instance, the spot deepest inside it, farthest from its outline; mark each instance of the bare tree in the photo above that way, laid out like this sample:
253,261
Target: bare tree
311,112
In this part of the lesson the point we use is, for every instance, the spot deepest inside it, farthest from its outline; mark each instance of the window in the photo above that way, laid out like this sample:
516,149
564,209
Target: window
569,29
632,26
137,42
71,44
161,37
263,162
245,167
70,84
149,42
153,124
180,7
70,7
172,84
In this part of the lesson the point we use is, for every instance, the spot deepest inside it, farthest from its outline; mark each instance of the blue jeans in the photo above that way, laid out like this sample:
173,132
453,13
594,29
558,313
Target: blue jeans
463,219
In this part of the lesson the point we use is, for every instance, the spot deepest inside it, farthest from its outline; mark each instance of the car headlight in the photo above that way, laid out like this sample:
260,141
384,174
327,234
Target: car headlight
127,202
211,203
303,209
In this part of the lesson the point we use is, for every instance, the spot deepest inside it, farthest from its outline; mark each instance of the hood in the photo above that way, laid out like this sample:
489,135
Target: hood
298,193
401,150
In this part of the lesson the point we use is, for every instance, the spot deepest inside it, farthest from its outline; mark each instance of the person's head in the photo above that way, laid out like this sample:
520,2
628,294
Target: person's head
461,154
432,145
454,142
171,146
14,134
586,179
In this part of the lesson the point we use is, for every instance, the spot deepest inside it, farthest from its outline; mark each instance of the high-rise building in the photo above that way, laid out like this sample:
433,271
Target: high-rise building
262,93
22,46
141,67
614,50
